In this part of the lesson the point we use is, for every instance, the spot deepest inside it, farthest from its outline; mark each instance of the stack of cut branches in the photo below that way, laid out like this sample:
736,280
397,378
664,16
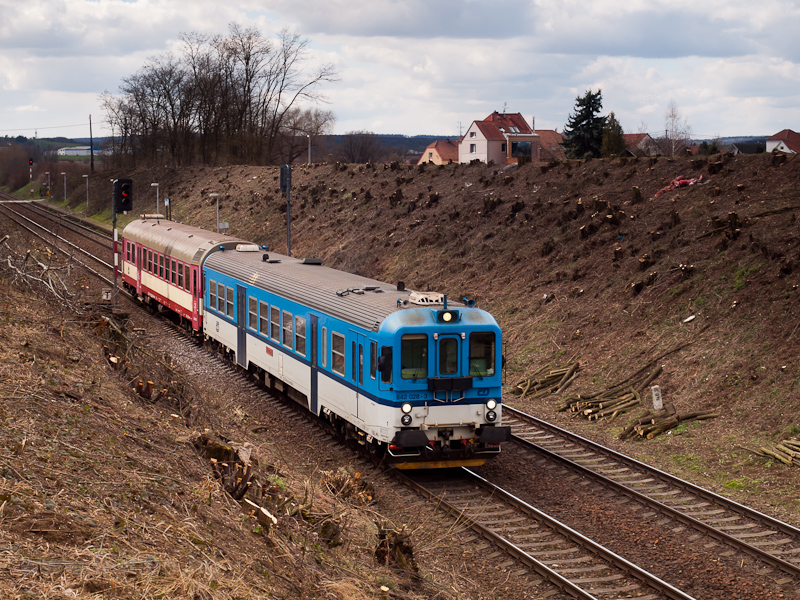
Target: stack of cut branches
614,401
652,423
787,451
547,381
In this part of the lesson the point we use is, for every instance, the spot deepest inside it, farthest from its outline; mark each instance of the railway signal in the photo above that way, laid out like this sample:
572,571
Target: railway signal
123,195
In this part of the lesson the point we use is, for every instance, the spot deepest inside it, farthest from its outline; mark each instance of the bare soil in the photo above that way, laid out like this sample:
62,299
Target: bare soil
104,494
578,259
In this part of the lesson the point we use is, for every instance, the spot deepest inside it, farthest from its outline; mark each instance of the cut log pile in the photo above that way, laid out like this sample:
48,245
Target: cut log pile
627,396
787,452
547,381
614,401
652,423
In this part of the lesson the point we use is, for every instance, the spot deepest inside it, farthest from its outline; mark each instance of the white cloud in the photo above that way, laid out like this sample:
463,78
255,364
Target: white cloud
415,66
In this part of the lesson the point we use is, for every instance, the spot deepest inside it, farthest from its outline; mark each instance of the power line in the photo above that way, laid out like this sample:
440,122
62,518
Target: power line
52,127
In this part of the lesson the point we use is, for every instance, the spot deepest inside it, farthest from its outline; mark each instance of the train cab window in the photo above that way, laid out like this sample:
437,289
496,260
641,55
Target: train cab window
161,266
481,354
337,353
275,323
212,294
263,318
252,313
373,359
414,356
448,356
229,293
324,347
300,335
287,329
180,275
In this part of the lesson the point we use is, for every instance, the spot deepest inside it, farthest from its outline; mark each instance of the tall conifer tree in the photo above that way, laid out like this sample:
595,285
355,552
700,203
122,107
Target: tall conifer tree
584,128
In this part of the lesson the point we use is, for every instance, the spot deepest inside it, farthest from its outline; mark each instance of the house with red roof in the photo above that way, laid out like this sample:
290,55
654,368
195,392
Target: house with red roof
440,152
786,141
551,145
640,144
502,138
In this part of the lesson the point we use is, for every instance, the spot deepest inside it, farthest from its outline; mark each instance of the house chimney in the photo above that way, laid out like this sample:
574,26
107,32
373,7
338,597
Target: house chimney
533,123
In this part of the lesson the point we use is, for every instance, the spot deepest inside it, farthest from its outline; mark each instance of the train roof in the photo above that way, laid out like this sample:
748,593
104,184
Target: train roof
355,299
182,242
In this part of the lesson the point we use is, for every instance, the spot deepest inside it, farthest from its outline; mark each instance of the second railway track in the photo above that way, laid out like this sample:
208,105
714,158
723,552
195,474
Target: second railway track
766,539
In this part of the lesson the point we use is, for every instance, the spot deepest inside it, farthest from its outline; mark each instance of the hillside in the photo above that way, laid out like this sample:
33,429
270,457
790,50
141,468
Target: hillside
575,259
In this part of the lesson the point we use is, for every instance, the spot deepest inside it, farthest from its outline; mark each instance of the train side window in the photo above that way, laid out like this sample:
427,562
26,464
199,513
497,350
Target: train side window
150,261
252,313
324,347
414,356
300,335
360,364
481,354
127,251
212,294
275,323
180,275
173,272
373,359
287,329
229,291
161,266
220,306
337,353
194,283
186,279
263,318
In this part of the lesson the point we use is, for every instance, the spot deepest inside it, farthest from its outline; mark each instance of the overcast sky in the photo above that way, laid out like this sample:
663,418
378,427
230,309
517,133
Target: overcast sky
414,67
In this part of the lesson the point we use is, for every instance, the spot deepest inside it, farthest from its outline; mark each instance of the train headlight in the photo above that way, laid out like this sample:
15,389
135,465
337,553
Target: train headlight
406,408
491,416
406,420
491,404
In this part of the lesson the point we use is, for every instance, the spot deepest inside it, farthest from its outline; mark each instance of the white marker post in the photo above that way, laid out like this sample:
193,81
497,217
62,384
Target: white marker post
658,403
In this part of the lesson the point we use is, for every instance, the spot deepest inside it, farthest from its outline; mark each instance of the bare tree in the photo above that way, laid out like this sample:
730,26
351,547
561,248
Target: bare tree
359,147
676,130
222,99
300,130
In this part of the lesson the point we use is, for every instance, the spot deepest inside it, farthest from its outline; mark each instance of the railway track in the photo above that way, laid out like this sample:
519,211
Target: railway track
51,229
562,556
769,540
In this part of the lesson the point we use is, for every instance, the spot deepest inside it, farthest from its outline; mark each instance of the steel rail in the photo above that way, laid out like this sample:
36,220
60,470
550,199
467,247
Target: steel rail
650,471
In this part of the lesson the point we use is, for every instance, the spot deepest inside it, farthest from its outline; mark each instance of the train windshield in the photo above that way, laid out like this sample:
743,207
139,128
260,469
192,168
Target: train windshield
481,354
414,356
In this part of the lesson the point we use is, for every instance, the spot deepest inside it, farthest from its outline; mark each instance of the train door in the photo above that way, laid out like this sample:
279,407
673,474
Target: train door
313,354
137,258
241,326
360,349
448,356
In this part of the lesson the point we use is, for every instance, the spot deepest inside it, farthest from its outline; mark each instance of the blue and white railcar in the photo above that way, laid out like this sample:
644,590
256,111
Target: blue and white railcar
401,372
